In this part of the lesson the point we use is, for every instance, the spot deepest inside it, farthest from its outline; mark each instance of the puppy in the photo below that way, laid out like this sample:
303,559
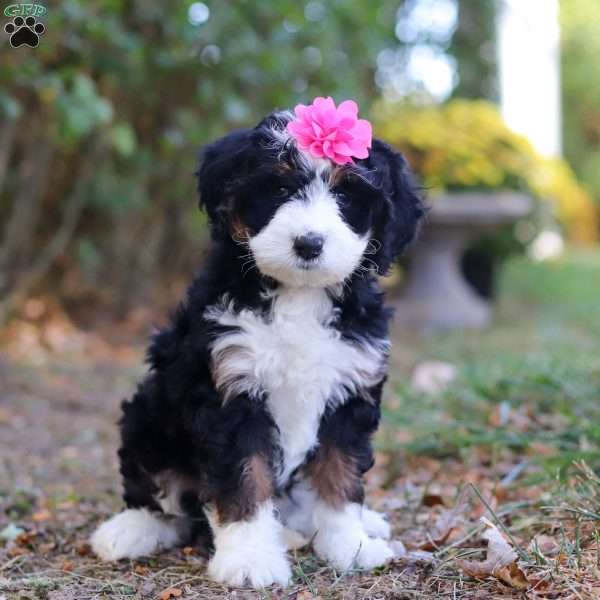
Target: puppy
254,423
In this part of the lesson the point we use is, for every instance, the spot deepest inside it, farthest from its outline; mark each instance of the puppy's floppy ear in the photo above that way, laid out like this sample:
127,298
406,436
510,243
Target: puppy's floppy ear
221,164
399,221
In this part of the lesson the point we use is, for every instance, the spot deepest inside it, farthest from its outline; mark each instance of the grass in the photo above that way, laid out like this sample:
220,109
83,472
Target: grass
521,421
515,438
539,367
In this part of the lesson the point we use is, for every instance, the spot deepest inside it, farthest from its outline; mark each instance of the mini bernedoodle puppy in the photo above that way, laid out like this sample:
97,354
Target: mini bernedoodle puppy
252,430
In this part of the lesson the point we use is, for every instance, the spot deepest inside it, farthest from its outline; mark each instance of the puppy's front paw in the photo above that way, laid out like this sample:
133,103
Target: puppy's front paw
345,551
133,533
375,524
294,540
374,552
341,539
238,567
250,552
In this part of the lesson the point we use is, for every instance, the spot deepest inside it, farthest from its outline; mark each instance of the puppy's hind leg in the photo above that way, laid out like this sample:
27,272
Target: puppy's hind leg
137,532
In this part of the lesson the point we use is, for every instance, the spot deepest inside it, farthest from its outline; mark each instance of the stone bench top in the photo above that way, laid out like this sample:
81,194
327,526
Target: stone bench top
479,208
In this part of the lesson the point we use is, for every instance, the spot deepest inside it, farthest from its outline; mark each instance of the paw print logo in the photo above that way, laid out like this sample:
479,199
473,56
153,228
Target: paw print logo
24,32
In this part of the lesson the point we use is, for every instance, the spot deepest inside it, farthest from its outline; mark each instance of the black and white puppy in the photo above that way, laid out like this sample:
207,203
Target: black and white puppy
255,420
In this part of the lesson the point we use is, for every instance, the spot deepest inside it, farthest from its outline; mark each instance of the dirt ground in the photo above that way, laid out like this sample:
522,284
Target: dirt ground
59,402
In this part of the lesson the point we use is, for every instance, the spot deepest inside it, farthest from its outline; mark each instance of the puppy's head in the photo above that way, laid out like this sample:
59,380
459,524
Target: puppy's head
307,221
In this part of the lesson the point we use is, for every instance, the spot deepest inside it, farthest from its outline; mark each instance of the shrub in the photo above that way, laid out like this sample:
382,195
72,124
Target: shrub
465,145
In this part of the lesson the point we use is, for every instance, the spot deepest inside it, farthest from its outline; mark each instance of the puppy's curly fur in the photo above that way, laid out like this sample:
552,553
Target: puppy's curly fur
263,392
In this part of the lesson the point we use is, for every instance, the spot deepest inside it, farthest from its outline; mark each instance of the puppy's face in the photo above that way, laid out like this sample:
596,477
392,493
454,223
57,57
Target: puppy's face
306,221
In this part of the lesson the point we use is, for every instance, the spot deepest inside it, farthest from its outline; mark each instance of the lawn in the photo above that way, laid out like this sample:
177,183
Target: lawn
514,439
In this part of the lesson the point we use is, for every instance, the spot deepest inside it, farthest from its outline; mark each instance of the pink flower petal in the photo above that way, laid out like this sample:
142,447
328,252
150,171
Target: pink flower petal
316,149
361,153
348,108
305,144
343,135
300,135
344,149
295,127
328,149
346,123
363,130
329,119
342,160
336,133
301,110
323,104
317,129
358,150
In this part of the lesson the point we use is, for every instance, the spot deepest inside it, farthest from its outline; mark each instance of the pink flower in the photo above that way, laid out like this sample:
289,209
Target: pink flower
329,132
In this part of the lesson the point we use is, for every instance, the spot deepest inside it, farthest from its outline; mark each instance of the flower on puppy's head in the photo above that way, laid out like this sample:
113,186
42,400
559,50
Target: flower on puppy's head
327,131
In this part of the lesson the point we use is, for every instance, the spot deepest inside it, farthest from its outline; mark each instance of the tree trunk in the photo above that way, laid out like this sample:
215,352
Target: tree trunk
58,242
7,136
16,247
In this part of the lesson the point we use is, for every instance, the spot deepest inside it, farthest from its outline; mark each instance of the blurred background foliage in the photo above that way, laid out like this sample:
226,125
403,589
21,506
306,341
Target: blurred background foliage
580,27
101,124
465,145
103,121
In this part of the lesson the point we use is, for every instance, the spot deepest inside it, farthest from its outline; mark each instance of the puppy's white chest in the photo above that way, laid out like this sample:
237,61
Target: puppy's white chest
295,358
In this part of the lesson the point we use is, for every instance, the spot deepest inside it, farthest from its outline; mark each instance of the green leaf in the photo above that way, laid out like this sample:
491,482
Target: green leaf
123,140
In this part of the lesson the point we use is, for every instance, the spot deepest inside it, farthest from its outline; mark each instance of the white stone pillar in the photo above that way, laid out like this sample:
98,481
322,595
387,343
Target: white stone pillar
529,52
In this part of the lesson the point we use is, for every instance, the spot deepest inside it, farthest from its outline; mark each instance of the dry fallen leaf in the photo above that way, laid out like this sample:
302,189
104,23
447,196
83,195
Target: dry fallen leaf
432,500
500,562
46,547
513,576
42,515
25,538
171,593
448,521
84,549
67,566
142,570
545,544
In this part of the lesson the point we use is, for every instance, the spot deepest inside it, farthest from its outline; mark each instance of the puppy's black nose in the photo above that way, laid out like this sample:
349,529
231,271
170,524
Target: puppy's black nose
309,245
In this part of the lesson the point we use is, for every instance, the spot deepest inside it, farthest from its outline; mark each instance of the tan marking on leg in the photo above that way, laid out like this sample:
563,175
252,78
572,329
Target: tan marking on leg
256,487
335,477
